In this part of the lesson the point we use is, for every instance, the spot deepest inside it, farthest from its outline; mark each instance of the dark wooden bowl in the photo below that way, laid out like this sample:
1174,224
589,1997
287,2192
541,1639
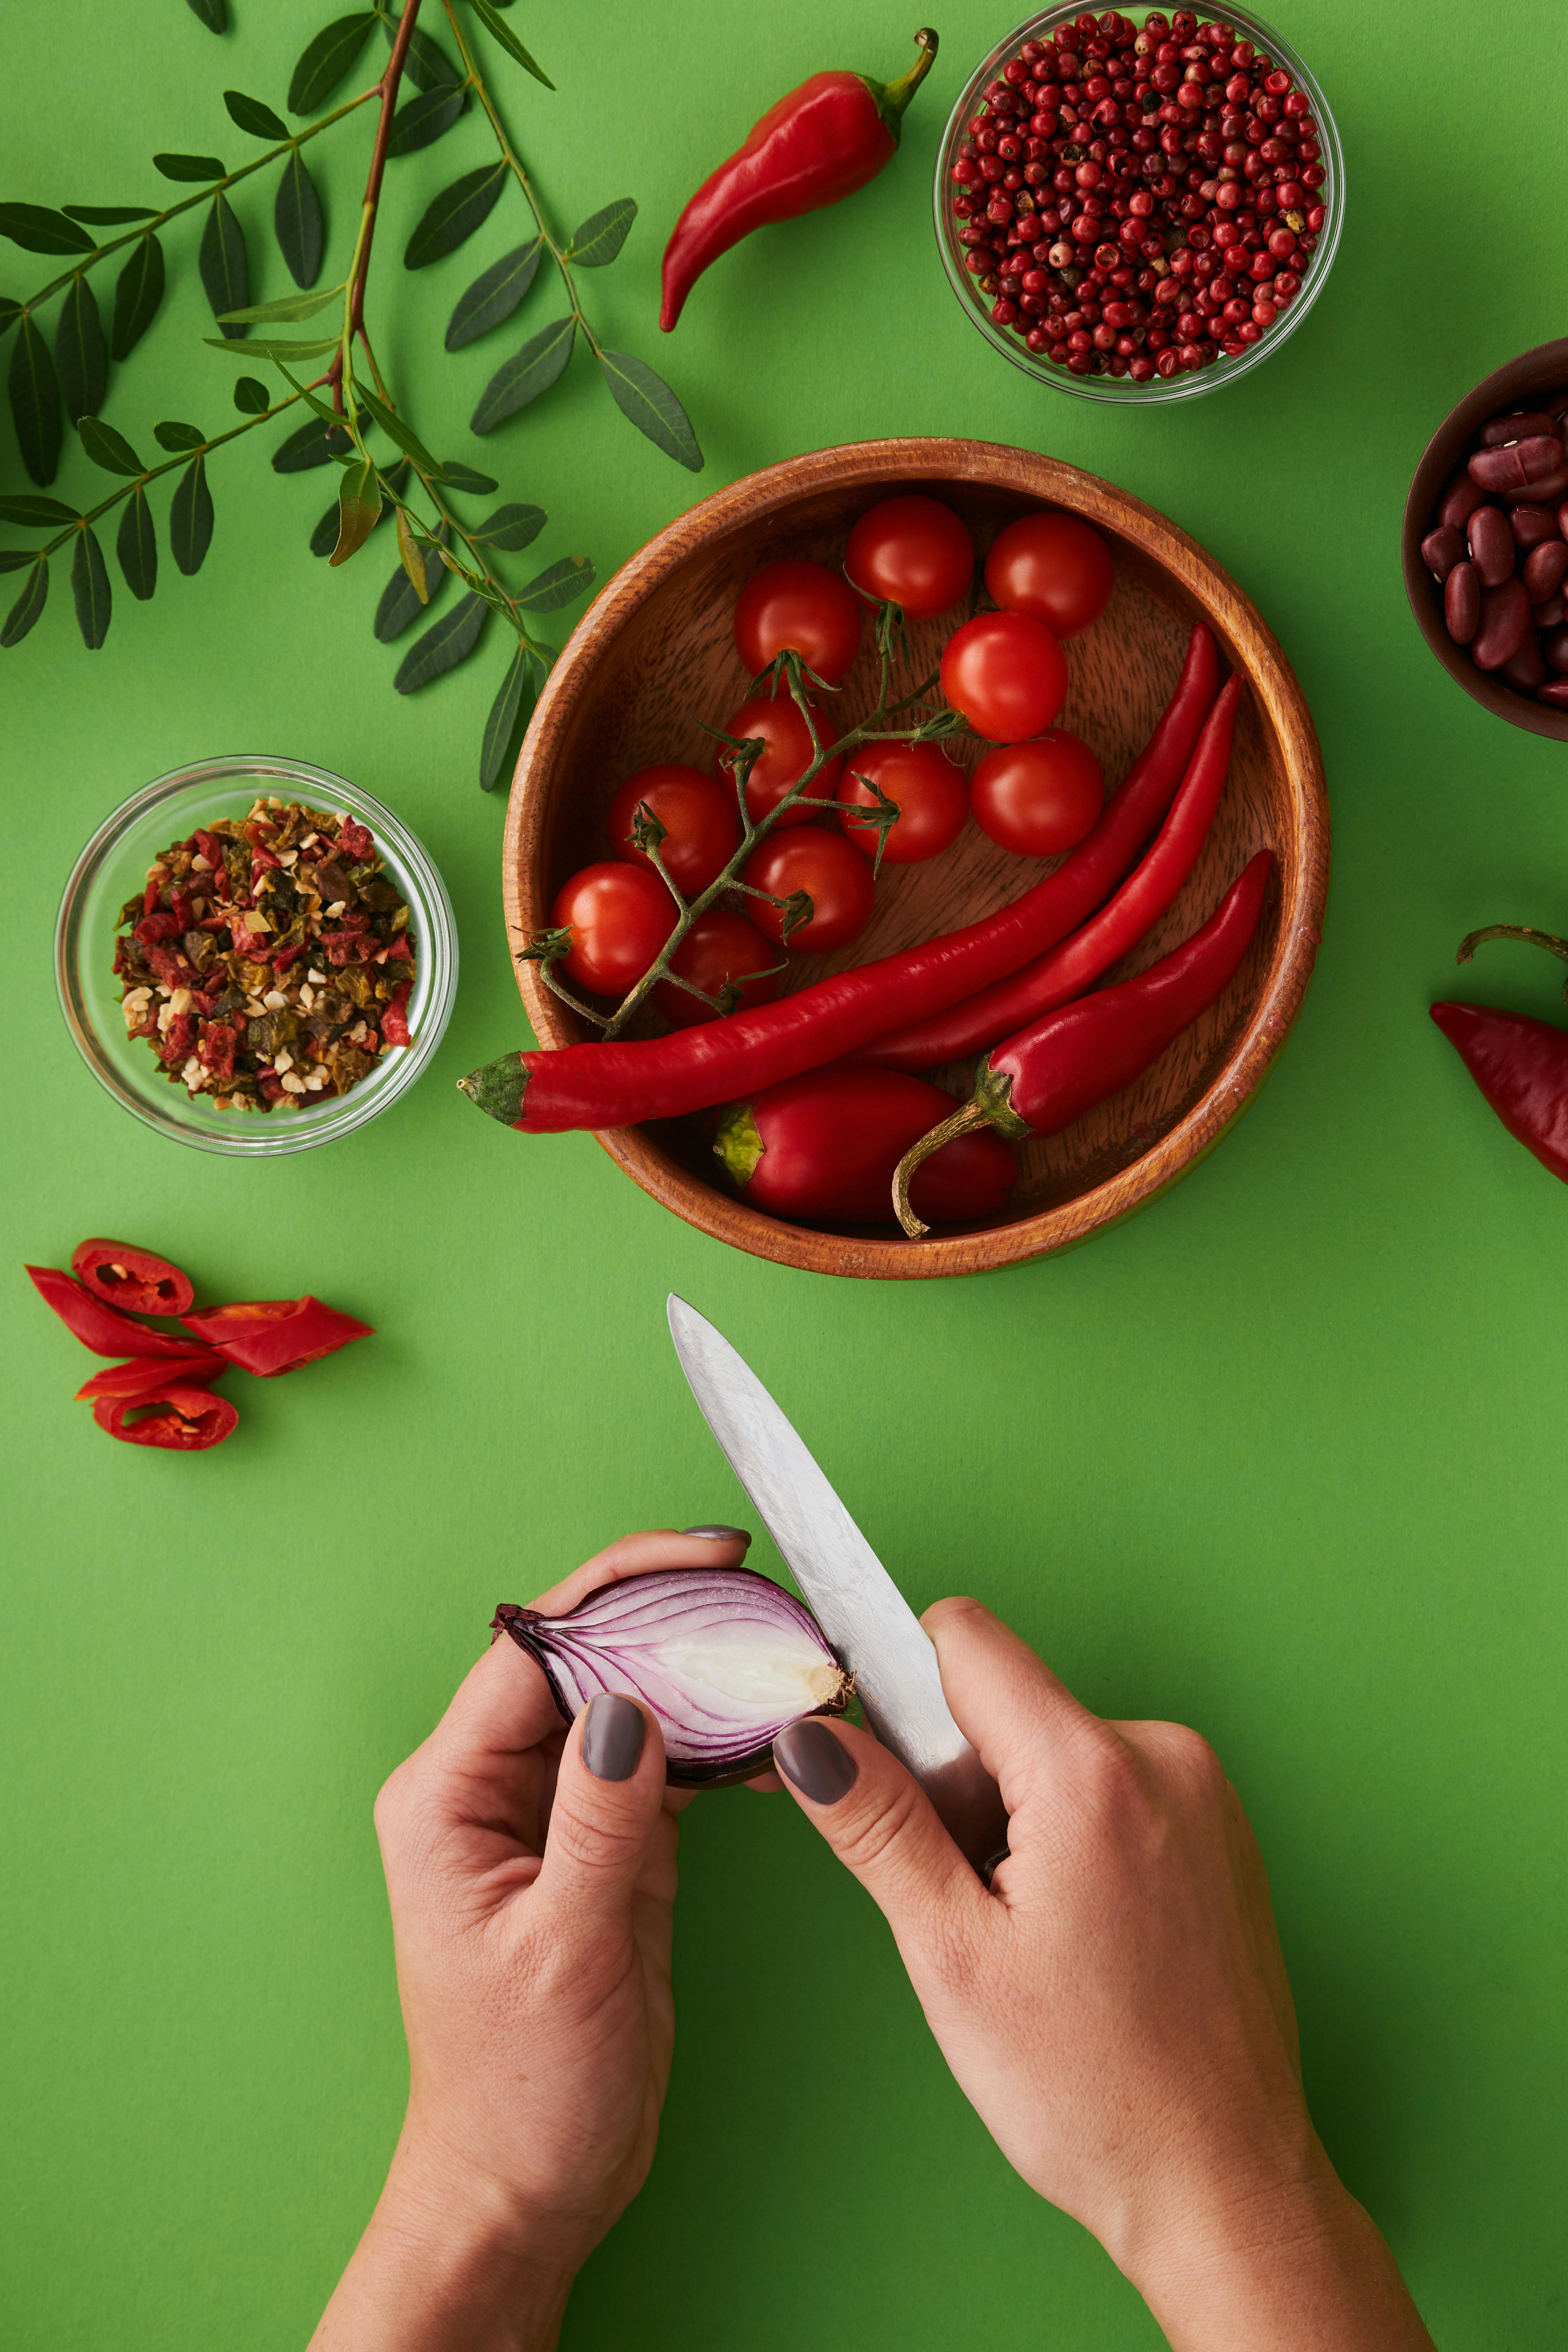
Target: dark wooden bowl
655,654
1527,378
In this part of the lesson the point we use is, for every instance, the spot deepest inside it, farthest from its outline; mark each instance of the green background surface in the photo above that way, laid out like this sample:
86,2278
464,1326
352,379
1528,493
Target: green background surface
1283,1457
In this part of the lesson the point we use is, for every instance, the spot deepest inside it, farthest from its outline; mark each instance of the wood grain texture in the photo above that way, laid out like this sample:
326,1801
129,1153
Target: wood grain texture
655,654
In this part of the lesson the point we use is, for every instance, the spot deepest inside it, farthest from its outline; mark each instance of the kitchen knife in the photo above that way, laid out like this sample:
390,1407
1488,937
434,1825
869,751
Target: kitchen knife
873,1631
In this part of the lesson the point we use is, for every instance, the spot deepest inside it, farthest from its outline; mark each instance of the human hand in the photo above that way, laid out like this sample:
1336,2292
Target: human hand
531,1874
1116,2006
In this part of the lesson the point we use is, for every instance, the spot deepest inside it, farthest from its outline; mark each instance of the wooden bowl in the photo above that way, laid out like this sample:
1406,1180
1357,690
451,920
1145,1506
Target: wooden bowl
654,654
1530,377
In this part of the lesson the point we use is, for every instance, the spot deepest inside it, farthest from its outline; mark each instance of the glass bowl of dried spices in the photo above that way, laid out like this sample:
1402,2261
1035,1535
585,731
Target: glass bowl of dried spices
255,956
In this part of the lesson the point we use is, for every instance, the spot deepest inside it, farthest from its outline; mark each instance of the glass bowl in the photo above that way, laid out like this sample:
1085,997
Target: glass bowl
1188,385
113,867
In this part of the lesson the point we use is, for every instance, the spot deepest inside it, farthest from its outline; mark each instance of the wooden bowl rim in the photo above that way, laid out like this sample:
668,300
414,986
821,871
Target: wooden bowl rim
1240,629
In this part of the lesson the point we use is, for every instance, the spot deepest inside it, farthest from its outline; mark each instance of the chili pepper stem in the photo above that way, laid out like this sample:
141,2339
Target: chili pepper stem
892,97
963,1121
1547,940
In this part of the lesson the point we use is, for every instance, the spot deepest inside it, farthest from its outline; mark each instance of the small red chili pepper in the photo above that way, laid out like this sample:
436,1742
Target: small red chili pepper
824,1147
104,1330
268,1336
1040,1081
179,1419
814,147
1519,1065
134,1279
147,1377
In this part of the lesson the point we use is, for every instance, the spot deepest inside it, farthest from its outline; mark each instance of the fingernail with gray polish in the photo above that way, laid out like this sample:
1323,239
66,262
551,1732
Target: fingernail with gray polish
717,1534
613,1731
820,1766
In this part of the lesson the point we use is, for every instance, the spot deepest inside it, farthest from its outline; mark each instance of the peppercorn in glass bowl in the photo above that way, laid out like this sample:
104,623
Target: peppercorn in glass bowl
1134,343
113,871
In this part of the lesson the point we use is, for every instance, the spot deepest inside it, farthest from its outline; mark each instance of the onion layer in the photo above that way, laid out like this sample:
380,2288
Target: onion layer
721,1657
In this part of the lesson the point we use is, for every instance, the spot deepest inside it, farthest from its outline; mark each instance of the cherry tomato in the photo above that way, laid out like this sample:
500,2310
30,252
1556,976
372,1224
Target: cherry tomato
1053,567
931,792
1041,797
620,917
803,606
1006,674
719,947
913,552
835,877
779,720
702,828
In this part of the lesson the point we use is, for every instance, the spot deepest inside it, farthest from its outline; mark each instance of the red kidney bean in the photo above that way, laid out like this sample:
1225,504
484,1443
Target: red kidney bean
1562,518
1441,549
1531,525
1552,613
1521,466
1543,570
1461,603
1556,692
1554,645
1521,427
1525,670
1461,501
1504,625
1492,546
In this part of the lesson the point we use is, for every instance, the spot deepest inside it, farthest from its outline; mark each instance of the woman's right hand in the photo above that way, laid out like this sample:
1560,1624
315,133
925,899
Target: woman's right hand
1116,2006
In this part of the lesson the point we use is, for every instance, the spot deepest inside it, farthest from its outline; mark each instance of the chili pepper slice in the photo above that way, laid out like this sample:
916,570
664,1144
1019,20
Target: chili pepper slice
104,1330
1522,1067
813,147
268,1336
598,1086
180,1419
1041,1080
135,1279
147,1377
1065,971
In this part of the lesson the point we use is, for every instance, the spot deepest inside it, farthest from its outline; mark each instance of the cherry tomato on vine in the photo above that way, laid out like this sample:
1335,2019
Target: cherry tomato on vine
835,877
779,720
620,917
701,829
1041,797
931,796
1053,567
799,606
1006,674
719,948
910,551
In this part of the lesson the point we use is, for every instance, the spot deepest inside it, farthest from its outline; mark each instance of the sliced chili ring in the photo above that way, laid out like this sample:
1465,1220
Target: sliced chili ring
135,1279
105,1330
268,1336
150,1376
178,1420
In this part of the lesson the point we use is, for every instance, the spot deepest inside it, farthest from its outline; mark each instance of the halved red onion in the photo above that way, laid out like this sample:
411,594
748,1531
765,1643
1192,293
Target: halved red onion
724,1659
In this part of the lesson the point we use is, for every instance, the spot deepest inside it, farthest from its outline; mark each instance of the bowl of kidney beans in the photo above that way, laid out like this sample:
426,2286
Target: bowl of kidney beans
1486,541
1139,209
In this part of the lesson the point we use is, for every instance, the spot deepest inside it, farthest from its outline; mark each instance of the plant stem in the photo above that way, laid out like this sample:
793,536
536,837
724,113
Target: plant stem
170,466
359,268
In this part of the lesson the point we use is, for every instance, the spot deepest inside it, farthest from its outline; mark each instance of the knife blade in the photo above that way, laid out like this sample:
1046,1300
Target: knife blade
873,1631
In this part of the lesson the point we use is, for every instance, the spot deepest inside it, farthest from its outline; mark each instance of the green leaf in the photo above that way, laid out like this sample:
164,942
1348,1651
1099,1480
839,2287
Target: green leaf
324,538
563,583
137,545
289,312
602,234
426,63
525,375
27,606
189,167
490,20
297,220
39,230
463,477
175,437
9,312
79,351
309,446
226,272
454,215
325,60
109,215
89,588
494,295
252,116
653,408
421,120
400,604
501,724
107,448
12,559
359,509
137,291
510,528
275,350
36,513
214,14
396,430
35,394
444,644
251,398
190,518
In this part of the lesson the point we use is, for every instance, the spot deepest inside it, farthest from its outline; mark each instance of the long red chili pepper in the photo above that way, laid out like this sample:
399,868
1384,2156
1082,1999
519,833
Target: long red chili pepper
1040,1081
1519,1065
599,1085
147,1377
1065,971
268,1336
813,148
102,1329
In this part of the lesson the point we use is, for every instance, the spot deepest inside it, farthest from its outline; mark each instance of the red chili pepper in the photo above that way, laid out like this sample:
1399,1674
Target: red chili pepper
149,1377
268,1336
134,1279
825,1146
1067,970
1040,1081
1519,1065
395,1016
355,840
599,1085
180,1419
102,1329
813,148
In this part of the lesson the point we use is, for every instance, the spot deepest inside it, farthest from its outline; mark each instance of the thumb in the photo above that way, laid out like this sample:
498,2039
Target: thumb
608,1794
